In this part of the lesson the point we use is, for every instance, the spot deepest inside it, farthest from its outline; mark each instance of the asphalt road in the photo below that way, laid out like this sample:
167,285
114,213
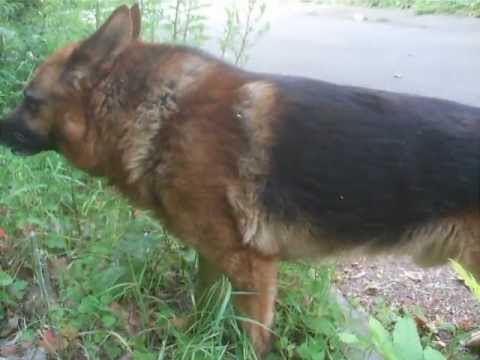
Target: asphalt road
395,50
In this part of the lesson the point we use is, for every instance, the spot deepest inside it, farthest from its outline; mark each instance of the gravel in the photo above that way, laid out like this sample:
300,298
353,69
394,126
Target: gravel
437,292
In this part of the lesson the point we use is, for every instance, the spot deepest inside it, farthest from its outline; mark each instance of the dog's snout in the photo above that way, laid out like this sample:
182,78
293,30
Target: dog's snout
16,135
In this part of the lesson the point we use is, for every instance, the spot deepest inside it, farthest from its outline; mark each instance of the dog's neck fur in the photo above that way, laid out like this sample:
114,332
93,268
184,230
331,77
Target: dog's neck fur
133,153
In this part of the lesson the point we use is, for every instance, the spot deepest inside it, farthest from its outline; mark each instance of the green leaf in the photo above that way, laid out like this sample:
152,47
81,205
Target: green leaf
56,242
321,326
348,338
406,340
107,278
89,305
18,288
431,354
5,279
377,329
137,355
311,350
467,278
109,320
382,340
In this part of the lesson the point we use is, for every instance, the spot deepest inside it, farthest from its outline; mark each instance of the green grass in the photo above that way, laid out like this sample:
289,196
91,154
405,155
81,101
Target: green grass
421,7
112,280
109,280
89,274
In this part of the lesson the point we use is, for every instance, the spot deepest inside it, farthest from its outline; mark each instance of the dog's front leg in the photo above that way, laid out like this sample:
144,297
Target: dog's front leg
208,274
254,278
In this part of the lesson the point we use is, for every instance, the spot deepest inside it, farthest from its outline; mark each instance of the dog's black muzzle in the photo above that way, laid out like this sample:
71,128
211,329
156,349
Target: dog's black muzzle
21,140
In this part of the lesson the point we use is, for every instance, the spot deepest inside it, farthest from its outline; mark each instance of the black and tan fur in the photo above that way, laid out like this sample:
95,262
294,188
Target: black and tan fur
250,169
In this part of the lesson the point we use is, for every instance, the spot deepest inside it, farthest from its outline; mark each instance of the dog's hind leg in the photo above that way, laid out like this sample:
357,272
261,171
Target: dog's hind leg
456,238
469,256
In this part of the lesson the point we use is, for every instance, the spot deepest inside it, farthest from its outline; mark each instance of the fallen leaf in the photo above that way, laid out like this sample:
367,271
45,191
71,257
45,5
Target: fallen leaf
51,342
422,323
440,344
181,322
358,275
69,333
474,341
414,276
134,323
10,351
466,324
371,290
126,357
5,245
58,266
10,327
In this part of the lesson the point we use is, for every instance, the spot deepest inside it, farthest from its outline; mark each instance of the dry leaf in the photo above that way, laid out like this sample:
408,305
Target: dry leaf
372,290
51,342
10,350
181,322
58,266
358,275
134,323
126,357
414,276
474,341
466,324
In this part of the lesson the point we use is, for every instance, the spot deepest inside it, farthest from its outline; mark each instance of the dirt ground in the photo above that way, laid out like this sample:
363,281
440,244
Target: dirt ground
437,292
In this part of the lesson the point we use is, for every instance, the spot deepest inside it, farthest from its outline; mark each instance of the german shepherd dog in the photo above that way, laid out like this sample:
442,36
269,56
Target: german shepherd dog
250,169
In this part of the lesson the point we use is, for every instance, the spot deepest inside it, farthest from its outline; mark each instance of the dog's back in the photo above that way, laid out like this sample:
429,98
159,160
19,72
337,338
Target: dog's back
373,169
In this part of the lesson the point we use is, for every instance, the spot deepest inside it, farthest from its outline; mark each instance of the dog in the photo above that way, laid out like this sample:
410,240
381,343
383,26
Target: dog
251,169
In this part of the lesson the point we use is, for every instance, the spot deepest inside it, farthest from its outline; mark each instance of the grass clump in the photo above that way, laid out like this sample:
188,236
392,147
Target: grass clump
421,7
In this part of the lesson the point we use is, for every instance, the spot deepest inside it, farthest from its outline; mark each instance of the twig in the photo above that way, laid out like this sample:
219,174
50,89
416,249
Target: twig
243,43
2,44
75,211
187,20
97,14
176,20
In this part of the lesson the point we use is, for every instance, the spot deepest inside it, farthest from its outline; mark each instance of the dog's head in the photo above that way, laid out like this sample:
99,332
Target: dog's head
53,114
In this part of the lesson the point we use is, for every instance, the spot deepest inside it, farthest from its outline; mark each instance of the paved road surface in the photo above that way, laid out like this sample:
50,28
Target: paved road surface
388,49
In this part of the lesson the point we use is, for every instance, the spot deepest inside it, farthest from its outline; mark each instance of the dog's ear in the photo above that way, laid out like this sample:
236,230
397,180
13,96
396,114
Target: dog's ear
136,16
111,39
95,56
